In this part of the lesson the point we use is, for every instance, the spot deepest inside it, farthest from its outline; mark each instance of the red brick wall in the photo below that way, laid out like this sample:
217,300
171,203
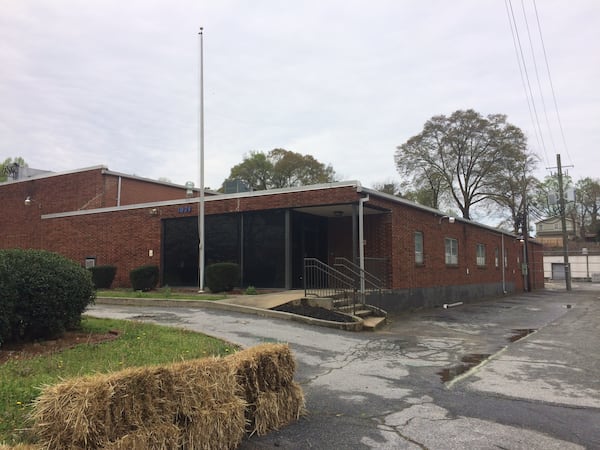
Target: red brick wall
140,191
125,237
406,220
122,238
283,200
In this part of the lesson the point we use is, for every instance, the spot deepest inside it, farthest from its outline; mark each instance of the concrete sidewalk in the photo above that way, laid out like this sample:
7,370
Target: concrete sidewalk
265,301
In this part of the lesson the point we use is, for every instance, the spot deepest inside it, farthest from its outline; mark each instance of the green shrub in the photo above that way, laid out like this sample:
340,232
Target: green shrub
8,294
144,278
103,276
251,290
222,277
43,294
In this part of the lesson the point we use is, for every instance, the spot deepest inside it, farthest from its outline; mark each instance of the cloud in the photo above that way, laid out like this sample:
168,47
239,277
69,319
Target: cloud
117,83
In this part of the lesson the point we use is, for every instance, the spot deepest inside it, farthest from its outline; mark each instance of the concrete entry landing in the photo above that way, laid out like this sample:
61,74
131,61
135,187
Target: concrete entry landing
265,301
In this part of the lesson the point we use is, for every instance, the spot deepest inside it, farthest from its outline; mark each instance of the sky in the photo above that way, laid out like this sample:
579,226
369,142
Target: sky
116,83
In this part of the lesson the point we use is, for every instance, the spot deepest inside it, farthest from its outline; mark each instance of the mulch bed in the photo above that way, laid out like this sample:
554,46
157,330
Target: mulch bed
25,350
315,312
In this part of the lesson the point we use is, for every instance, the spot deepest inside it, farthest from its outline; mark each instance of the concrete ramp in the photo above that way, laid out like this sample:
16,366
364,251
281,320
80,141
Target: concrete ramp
265,301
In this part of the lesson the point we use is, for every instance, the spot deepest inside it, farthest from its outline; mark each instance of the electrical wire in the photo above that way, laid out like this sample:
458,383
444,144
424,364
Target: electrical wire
537,76
512,31
562,133
525,75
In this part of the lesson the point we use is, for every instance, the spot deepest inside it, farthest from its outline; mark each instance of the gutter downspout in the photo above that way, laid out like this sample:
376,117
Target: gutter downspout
119,192
361,244
503,267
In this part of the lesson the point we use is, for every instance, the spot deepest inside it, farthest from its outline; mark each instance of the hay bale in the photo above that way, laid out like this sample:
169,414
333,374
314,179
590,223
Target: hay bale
210,413
94,412
266,367
265,375
202,404
217,429
20,447
89,412
164,437
73,414
275,409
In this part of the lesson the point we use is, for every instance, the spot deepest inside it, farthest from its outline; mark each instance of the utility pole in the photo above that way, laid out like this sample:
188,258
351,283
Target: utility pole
525,226
201,202
563,220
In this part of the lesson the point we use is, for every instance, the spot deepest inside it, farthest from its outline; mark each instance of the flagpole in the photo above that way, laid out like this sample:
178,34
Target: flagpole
201,204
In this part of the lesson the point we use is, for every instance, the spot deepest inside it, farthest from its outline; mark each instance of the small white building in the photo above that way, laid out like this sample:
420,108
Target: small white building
549,231
584,265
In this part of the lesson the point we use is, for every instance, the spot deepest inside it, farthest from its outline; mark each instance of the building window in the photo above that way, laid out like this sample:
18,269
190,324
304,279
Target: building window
451,246
496,258
419,247
480,255
90,262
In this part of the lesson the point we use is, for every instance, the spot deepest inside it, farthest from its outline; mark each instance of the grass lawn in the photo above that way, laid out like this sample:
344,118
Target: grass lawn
163,293
137,344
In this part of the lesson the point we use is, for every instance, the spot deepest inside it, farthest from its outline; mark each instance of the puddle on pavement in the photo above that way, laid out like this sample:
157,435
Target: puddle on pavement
520,333
161,317
468,362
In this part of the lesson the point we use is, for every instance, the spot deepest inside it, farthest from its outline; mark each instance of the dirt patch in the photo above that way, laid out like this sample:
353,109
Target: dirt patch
25,350
315,312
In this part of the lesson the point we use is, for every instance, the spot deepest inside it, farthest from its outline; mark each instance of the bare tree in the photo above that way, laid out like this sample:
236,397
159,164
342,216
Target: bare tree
461,156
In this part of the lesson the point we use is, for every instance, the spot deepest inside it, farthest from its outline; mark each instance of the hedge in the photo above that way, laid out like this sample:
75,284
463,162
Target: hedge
43,294
222,277
103,276
144,278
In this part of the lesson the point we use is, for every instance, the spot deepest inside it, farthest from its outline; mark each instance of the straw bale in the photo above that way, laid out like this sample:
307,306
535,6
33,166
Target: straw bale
92,412
222,428
202,384
74,413
275,409
162,437
20,447
199,404
264,367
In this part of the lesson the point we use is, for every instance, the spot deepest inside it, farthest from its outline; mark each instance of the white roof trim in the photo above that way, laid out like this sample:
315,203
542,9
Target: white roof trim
186,201
54,174
437,212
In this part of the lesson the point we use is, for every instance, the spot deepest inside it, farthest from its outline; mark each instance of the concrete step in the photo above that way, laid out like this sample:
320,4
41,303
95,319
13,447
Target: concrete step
373,323
361,312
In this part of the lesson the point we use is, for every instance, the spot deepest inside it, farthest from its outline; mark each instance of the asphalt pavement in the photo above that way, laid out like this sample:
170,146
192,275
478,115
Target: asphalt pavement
518,372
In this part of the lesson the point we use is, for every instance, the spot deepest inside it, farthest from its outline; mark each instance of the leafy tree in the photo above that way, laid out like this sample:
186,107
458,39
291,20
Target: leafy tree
461,156
255,171
427,189
546,197
7,167
588,205
515,188
388,187
279,169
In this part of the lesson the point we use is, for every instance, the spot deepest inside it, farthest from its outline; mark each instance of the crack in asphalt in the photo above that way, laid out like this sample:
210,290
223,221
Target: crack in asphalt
345,361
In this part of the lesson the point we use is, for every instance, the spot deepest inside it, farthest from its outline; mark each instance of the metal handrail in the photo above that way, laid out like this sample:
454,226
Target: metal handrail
356,270
323,280
372,284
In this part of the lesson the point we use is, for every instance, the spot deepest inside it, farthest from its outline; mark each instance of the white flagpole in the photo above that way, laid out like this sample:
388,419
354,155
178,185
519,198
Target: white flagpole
201,204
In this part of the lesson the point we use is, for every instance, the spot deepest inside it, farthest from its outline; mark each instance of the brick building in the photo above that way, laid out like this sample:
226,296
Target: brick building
425,258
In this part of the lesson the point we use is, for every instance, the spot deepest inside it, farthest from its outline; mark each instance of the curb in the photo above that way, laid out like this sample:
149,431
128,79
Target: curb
357,325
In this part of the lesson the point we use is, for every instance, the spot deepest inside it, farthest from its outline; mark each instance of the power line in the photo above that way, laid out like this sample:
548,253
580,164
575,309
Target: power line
524,74
537,76
512,31
550,81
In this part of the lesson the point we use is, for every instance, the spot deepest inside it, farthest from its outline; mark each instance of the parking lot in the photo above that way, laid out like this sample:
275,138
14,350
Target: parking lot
515,372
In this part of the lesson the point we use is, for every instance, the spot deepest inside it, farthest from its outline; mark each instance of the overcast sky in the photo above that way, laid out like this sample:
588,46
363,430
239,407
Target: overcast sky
84,83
